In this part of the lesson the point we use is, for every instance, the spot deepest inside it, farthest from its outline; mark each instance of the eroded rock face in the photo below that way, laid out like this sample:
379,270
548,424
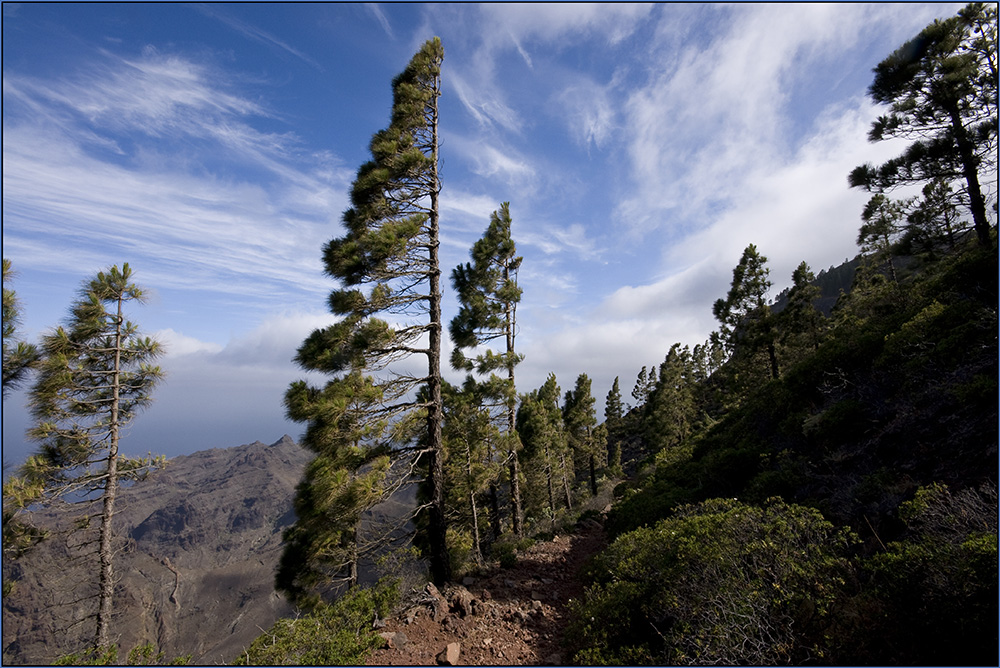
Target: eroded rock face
202,538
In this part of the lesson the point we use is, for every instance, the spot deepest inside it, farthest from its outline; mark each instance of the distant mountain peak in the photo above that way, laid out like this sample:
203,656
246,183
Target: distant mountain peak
284,440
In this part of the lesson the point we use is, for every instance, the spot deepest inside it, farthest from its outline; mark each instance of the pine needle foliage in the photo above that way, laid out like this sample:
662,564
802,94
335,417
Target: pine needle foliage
375,410
488,295
941,88
95,375
18,356
747,325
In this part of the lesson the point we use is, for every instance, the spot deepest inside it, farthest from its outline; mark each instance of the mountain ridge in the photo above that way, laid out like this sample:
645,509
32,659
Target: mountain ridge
200,540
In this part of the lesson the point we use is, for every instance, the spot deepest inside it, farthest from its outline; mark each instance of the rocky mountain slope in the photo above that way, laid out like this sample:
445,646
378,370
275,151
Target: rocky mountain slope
201,539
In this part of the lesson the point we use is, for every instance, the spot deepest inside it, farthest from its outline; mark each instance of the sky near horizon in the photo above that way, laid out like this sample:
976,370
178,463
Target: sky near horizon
212,147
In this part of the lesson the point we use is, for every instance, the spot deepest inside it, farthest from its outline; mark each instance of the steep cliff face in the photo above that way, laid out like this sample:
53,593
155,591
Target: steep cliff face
200,543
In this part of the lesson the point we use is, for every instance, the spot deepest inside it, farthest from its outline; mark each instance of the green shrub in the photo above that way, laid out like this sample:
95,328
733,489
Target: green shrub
334,634
719,582
140,655
506,551
933,595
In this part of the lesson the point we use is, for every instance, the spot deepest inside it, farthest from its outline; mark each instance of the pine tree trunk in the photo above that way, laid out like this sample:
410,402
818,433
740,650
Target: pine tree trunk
976,201
515,496
440,564
593,474
106,582
565,480
517,512
477,551
548,480
495,528
772,357
353,575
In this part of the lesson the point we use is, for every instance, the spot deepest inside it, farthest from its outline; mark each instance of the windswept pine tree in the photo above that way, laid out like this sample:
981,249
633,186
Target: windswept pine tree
488,295
941,88
94,376
390,311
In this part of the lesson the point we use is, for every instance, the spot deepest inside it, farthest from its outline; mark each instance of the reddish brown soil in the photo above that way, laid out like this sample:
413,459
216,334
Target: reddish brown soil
518,614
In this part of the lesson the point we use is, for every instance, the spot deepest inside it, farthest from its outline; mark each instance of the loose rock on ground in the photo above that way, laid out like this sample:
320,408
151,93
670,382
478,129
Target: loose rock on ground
513,616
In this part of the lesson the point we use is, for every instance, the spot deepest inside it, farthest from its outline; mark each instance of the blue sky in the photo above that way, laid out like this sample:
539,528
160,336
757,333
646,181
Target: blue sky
212,147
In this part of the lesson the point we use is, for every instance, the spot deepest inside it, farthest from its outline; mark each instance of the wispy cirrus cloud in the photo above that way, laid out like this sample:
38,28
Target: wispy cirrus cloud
158,159
255,33
589,111
556,22
380,16
716,114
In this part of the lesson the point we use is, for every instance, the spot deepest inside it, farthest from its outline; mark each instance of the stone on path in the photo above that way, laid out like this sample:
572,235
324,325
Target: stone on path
449,655
394,639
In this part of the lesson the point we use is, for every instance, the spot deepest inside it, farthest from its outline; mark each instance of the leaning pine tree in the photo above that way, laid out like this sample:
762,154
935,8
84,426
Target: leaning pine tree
941,88
93,377
387,262
488,293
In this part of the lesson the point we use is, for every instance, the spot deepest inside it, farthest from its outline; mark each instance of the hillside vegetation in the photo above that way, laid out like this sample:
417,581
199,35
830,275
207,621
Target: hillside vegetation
828,513
814,483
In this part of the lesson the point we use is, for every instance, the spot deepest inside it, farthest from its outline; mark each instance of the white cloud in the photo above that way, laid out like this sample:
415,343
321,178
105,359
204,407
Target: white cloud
570,241
489,161
589,111
485,105
158,204
176,344
716,112
553,22
380,16
264,37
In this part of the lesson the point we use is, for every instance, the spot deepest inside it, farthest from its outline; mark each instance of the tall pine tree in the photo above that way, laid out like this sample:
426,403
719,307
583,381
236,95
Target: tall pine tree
747,325
488,295
670,412
801,322
540,427
471,438
579,421
94,376
387,262
613,421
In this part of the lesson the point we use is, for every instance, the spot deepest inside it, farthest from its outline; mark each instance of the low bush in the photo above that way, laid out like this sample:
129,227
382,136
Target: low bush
932,597
718,582
140,655
332,634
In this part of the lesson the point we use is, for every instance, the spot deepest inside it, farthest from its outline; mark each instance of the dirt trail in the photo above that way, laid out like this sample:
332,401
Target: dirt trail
506,616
